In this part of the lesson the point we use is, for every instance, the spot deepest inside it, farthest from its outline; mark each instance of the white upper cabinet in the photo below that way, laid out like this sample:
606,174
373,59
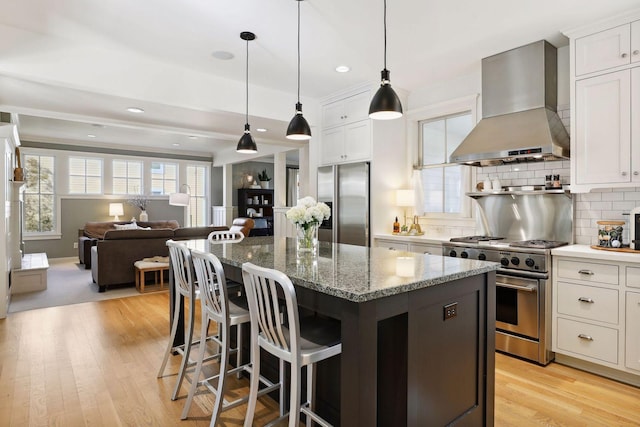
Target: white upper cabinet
605,100
603,131
603,50
348,110
346,130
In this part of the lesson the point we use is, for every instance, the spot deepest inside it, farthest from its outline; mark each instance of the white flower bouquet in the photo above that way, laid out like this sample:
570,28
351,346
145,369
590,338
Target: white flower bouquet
307,216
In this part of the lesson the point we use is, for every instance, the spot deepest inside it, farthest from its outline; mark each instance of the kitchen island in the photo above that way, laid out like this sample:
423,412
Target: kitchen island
418,331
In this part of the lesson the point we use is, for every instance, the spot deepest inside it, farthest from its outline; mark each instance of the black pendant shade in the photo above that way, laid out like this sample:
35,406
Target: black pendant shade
247,144
298,128
385,104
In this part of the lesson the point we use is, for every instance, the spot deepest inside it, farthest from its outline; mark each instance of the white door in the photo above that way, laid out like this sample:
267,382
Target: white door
603,50
635,124
357,141
332,146
635,41
603,129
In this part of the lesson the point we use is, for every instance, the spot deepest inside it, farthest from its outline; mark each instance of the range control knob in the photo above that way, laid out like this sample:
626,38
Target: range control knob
515,260
482,257
529,262
453,253
464,254
504,261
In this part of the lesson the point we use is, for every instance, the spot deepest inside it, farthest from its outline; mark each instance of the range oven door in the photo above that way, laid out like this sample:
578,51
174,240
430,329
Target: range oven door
517,308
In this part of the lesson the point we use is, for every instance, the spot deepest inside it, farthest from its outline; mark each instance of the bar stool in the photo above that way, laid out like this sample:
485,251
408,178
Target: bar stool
226,312
184,286
299,342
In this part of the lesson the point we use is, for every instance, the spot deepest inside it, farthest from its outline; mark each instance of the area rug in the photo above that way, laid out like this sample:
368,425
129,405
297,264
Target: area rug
67,283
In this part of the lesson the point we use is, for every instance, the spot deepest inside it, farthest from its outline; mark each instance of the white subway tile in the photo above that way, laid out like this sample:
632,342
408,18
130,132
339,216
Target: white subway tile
623,206
536,166
601,206
591,197
632,195
583,240
612,196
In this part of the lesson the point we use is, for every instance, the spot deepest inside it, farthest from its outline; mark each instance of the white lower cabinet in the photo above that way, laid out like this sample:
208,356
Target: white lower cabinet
596,313
424,248
632,356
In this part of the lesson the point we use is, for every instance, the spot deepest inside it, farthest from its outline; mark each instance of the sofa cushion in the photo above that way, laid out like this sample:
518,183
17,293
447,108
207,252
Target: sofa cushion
130,226
171,223
138,234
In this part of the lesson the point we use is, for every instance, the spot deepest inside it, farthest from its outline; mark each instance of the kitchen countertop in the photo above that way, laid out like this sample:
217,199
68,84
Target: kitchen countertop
585,251
433,240
354,273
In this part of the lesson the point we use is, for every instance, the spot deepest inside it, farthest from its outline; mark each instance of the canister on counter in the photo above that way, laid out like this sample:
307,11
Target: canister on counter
610,233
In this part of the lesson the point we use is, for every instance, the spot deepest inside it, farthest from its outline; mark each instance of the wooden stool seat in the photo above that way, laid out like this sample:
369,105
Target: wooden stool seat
147,265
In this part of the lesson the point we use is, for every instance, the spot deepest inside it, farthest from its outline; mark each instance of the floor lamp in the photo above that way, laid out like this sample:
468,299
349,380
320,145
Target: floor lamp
182,199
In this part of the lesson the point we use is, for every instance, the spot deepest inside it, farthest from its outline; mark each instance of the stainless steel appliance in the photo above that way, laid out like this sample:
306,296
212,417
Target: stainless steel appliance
518,229
345,188
519,119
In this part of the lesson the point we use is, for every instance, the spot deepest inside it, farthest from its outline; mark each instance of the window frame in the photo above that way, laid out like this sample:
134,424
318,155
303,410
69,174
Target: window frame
101,176
450,108
55,232
140,187
164,179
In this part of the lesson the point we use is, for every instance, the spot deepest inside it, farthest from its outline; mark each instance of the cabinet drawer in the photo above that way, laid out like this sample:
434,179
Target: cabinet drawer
400,246
424,248
588,272
588,302
633,277
632,343
592,341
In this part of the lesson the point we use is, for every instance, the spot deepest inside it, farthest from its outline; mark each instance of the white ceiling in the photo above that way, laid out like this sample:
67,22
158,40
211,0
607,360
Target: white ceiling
68,65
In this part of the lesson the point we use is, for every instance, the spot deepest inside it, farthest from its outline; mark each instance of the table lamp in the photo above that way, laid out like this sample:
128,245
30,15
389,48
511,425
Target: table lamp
405,198
116,209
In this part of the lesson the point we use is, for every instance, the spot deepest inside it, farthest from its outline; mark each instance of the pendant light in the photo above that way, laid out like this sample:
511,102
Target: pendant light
247,143
298,127
385,104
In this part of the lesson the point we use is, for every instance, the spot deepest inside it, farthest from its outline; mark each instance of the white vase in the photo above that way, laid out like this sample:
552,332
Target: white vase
307,239
143,216
265,184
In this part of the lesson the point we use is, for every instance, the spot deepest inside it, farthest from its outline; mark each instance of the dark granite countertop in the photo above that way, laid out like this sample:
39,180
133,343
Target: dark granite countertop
354,273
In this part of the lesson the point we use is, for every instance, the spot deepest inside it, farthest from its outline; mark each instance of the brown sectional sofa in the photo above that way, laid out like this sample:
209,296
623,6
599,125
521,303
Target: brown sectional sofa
112,258
94,231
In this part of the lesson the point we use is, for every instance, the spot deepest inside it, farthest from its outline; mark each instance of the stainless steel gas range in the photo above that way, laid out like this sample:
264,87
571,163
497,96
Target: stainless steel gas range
518,229
523,299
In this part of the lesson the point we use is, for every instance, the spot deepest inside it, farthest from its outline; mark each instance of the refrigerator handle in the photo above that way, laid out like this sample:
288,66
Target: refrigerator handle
367,211
336,204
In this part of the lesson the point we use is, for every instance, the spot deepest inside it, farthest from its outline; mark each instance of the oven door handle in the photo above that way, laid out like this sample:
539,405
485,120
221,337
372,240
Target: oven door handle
531,288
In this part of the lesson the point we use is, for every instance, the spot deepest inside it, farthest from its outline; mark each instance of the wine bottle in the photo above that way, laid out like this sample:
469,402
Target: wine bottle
396,226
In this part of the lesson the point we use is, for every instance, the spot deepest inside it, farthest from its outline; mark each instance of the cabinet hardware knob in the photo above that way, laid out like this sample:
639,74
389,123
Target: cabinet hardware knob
635,52
587,272
624,173
624,55
585,337
585,299
636,172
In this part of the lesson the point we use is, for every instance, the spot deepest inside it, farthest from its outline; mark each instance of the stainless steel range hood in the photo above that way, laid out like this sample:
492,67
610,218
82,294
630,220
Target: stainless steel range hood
519,120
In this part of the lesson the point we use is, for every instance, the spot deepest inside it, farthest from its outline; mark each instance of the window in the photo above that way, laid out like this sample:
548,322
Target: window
39,194
196,179
443,184
164,178
85,175
127,177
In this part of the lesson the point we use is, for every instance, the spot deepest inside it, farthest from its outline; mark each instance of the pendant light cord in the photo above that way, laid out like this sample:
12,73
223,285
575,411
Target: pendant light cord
385,34
247,80
299,51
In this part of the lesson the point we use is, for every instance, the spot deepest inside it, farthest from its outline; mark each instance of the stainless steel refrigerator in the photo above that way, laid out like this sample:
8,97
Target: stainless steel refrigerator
345,188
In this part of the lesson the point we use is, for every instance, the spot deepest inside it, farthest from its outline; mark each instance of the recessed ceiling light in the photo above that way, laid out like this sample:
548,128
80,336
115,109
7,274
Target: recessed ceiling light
175,144
135,110
261,130
343,69
193,137
221,54
91,135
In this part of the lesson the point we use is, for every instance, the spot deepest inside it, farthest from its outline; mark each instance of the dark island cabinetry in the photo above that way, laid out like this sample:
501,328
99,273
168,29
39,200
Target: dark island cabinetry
257,203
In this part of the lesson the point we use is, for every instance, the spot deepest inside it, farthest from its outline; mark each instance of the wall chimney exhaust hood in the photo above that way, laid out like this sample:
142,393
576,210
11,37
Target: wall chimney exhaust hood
519,120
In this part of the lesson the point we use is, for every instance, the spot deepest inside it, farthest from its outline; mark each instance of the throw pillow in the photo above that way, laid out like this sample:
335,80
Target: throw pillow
144,228
132,226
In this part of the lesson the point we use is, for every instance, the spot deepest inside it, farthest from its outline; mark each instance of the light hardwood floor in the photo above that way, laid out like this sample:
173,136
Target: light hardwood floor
95,364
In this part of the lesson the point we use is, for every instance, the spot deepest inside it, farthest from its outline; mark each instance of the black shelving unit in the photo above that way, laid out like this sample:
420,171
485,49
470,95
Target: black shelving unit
260,200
